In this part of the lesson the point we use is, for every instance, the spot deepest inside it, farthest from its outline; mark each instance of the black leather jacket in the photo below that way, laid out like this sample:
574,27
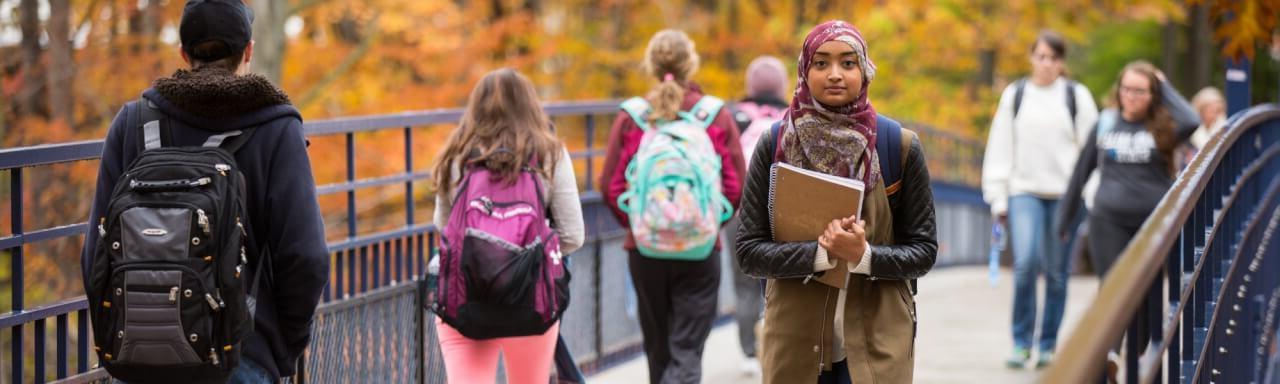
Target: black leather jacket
914,228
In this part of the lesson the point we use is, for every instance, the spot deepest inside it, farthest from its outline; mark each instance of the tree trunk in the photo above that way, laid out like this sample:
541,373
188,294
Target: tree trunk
613,40
731,54
800,24
269,38
30,91
1169,43
62,68
1201,50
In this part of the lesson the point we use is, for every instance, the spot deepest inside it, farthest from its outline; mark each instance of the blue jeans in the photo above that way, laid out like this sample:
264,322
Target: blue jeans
1036,249
249,372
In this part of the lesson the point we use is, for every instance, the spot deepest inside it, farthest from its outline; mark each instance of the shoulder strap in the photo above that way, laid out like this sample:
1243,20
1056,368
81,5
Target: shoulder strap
704,112
155,126
889,146
231,141
639,109
1106,121
1019,87
776,131
1071,101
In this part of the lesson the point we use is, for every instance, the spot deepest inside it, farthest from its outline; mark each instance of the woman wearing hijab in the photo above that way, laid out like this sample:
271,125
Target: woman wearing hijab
813,331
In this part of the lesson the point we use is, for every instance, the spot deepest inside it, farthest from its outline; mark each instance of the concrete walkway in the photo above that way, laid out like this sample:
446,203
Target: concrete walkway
964,333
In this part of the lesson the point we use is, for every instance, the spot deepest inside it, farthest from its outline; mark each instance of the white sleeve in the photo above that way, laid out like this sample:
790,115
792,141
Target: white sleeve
566,207
821,261
1086,114
444,204
997,163
864,265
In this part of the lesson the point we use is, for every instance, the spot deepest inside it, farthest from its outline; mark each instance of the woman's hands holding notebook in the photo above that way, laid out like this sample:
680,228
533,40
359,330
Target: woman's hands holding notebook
845,239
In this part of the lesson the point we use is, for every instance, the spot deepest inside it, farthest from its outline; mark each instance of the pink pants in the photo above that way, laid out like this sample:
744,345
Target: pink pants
527,358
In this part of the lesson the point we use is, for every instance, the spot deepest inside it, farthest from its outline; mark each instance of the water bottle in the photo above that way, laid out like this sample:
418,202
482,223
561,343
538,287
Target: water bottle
997,247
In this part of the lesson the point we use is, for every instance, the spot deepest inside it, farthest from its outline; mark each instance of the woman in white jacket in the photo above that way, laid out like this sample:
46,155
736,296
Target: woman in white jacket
1039,127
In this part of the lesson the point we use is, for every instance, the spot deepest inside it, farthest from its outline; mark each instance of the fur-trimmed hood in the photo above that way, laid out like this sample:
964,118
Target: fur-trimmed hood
217,100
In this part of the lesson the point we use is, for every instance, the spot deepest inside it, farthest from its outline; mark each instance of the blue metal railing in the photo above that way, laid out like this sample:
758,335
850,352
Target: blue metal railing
1212,239
363,263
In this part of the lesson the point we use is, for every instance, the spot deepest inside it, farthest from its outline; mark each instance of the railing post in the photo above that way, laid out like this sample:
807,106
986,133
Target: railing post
40,347
591,139
82,336
15,269
62,346
408,170
1173,274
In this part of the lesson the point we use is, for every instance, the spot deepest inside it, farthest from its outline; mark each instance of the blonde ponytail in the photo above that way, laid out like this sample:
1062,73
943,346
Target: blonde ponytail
672,60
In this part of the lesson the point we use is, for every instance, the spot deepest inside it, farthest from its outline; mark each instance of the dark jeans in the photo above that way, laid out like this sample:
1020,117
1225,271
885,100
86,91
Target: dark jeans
747,294
677,304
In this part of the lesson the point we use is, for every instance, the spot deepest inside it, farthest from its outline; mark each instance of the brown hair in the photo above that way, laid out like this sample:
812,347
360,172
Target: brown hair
1157,119
1053,40
670,52
503,128
213,48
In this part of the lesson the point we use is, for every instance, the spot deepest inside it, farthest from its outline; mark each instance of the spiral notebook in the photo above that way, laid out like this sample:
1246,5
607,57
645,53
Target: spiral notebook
801,204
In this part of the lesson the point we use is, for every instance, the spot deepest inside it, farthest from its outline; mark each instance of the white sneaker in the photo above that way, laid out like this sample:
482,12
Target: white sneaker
751,367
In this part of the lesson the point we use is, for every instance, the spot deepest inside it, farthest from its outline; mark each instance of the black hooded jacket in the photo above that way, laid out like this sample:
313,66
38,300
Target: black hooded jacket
281,200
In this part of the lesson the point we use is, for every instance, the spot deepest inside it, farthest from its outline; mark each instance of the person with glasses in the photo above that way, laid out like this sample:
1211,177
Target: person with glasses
1132,148
1040,124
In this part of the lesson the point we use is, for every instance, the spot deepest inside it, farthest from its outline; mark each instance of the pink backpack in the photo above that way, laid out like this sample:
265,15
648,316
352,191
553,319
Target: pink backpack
501,272
762,116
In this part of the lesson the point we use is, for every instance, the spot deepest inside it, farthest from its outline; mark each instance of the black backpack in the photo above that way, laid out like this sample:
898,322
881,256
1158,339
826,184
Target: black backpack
167,285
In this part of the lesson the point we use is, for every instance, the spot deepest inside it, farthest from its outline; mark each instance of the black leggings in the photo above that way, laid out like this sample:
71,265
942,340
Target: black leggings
677,303
1107,239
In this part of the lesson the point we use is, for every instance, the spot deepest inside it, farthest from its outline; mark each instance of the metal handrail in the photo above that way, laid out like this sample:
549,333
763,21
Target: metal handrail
1143,260
346,251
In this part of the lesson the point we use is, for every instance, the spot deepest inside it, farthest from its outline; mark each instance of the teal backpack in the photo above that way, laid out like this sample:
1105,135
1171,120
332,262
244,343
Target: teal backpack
673,195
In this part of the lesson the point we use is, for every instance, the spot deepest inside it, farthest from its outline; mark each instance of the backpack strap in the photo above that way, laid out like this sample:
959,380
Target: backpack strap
638,108
1071,101
231,141
1106,121
1021,86
893,143
155,126
775,139
705,111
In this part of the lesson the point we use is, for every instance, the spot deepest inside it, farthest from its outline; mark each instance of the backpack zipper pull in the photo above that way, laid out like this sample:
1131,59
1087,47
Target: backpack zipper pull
102,230
203,181
222,168
212,302
213,356
173,294
241,226
203,221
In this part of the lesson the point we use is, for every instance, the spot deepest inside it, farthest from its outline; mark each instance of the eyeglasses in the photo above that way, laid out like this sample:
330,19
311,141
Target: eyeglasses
1131,91
1045,57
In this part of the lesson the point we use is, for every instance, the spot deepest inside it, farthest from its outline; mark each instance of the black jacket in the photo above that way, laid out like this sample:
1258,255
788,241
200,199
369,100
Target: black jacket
281,194
914,228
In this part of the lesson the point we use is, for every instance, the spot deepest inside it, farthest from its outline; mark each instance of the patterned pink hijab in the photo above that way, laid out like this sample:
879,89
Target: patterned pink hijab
841,140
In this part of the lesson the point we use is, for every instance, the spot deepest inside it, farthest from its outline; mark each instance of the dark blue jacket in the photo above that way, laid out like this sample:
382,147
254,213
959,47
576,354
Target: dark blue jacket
281,194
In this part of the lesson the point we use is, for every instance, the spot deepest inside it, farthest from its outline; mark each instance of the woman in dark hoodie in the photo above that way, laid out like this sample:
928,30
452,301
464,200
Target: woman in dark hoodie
677,298
1132,147
217,95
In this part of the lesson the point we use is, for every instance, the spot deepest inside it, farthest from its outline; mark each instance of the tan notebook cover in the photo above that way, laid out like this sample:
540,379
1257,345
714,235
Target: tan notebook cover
801,204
